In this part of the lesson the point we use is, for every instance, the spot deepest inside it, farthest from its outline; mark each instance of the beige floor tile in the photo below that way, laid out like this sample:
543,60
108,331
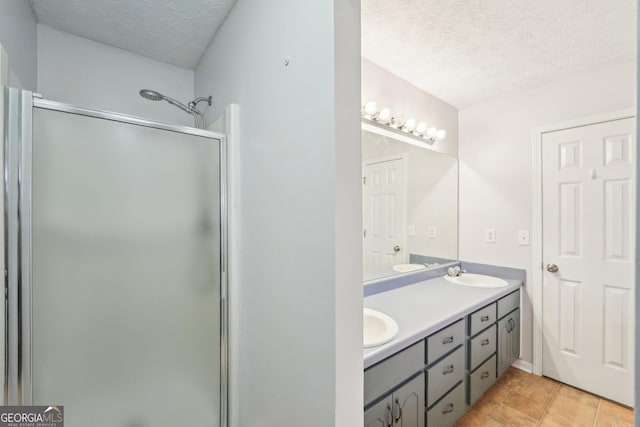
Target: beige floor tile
509,417
540,389
491,399
582,396
615,410
531,407
471,418
579,408
608,420
557,420
519,399
511,377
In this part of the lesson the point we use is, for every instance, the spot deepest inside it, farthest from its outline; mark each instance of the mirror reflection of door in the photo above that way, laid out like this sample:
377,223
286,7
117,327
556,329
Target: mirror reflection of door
413,209
384,190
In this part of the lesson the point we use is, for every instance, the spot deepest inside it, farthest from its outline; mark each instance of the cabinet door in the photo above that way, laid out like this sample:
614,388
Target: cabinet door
379,415
504,352
508,340
515,336
408,404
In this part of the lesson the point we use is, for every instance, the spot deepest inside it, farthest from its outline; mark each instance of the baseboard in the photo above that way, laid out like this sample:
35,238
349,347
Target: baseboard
523,366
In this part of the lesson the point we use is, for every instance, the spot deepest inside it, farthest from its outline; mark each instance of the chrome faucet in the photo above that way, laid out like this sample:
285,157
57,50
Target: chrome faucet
455,271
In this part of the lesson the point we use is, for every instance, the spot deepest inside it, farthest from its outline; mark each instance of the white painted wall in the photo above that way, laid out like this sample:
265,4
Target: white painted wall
295,165
18,37
496,163
83,72
390,91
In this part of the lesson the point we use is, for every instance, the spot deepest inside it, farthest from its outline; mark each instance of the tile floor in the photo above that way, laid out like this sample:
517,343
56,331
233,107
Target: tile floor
519,399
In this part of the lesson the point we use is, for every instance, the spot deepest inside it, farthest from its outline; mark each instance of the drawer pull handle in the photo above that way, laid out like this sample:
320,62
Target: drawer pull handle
448,408
447,340
388,416
484,375
484,319
484,342
448,370
397,406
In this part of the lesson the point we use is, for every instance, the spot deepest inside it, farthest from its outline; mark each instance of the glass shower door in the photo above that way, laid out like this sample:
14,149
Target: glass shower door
126,259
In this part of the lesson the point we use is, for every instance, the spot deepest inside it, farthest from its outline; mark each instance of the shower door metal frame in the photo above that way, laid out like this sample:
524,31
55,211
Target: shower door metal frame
19,105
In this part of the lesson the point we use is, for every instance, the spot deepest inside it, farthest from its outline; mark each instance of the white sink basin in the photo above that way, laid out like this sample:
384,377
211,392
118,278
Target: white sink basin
477,280
378,328
405,268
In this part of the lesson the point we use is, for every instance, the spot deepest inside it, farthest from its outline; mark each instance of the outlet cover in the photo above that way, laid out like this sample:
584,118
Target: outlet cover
432,232
490,235
523,237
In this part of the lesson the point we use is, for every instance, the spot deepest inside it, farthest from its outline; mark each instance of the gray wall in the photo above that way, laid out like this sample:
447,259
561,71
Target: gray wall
83,72
297,209
18,38
496,164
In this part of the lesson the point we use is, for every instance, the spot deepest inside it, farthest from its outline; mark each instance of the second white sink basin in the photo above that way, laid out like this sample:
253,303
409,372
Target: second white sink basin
477,280
378,328
405,268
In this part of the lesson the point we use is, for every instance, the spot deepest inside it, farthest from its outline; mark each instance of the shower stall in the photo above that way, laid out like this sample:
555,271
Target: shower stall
115,266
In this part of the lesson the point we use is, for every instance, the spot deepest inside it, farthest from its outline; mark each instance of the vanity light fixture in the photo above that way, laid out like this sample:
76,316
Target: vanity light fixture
397,122
384,116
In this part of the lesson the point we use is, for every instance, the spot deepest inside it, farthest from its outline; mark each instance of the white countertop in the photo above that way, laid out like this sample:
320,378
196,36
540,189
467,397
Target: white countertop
423,308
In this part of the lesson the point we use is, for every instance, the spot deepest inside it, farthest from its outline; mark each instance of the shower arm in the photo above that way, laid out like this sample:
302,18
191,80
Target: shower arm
197,115
196,101
178,104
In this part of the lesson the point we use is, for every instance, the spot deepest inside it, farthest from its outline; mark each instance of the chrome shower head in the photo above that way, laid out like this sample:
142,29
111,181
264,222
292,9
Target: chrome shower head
198,117
151,95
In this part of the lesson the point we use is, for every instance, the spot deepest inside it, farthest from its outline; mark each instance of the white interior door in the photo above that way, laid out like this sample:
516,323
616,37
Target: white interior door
588,181
384,213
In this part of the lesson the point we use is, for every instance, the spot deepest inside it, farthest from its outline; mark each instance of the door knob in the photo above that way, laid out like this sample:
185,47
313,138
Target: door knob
552,268
396,248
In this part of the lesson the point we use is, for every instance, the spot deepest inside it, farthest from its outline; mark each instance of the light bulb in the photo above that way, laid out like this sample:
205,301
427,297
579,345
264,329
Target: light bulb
370,109
410,125
385,115
397,122
431,132
441,134
421,128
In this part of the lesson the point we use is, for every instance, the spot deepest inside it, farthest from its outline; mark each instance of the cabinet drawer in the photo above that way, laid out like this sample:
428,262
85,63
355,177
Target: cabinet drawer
508,303
482,346
448,410
442,376
444,341
481,379
381,378
482,319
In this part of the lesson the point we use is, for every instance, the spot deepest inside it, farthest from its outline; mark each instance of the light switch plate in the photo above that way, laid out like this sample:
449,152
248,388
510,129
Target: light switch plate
412,230
432,232
523,237
490,235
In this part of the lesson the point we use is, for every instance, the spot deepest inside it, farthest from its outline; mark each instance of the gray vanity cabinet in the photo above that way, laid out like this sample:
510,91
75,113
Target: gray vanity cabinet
402,408
408,404
380,414
508,340
508,331
432,382
394,390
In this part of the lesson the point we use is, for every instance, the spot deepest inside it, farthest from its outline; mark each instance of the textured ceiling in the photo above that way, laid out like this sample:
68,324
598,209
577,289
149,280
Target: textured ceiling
465,51
176,32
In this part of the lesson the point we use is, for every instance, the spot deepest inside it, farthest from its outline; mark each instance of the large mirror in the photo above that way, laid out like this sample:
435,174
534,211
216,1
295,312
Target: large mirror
410,205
